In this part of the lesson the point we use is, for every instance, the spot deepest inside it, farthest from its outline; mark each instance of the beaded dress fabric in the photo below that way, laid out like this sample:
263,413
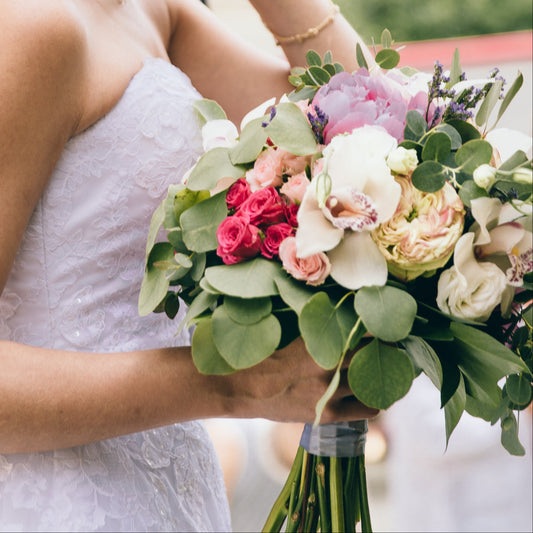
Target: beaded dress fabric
74,286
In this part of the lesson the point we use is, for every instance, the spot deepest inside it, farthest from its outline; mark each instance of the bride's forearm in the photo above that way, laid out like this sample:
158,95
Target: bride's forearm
51,399
301,25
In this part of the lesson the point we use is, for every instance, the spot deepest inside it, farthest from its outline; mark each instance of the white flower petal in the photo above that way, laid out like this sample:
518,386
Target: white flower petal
485,210
315,233
357,262
257,112
508,141
383,189
219,133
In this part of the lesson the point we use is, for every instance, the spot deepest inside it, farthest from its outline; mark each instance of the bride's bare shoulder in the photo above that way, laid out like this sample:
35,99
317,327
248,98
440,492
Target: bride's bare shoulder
42,48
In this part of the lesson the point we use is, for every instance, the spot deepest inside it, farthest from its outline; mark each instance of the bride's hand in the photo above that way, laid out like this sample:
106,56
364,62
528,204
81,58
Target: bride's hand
287,386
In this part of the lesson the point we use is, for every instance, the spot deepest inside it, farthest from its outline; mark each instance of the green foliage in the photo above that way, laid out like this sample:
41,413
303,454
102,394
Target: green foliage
420,20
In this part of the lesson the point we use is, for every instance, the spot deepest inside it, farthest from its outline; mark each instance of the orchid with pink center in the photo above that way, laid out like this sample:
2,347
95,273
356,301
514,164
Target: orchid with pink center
359,194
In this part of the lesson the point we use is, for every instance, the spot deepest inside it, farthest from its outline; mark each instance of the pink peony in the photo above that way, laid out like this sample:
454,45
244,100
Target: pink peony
238,193
295,187
354,100
274,235
313,269
263,207
237,239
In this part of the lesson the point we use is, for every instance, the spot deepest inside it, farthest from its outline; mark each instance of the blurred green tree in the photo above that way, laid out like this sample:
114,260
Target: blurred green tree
414,20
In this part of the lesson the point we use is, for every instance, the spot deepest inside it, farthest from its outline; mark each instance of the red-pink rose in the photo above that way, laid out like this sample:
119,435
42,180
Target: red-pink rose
237,240
237,193
291,214
274,236
264,207
313,269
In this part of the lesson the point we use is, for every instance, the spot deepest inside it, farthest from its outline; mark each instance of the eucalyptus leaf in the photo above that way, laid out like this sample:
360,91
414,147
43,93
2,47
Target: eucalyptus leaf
211,167
511,93
424,357
452,133
320,76
249,279
201,221
294,293
469,191
456,70
290,130
516,160
205,355
387,58
489,103
198,266
360,56
466,130
321,331
454,408
202,302
313,58
172,304
380,374
509,438
518,388
251,141
437,147
244,345
247,310
209,110
386,38
387,312
429,176
155,225
155,284
415,126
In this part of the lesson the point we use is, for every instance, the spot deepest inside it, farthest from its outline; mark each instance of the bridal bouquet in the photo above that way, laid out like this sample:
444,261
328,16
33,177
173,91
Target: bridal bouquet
377,202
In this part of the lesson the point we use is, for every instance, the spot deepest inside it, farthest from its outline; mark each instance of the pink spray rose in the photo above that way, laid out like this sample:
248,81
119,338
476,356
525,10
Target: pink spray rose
237,240
237,193
267,170
291,214
295,187
274,236
354,100
264,207
313,269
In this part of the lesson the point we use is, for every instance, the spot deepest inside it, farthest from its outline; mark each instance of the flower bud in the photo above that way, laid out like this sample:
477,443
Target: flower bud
523,175
484,176
402,161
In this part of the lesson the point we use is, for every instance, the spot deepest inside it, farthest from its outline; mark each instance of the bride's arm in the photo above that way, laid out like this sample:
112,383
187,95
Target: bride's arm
232,71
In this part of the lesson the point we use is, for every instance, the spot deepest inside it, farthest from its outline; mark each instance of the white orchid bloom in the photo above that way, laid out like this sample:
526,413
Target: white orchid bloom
363,194
506,142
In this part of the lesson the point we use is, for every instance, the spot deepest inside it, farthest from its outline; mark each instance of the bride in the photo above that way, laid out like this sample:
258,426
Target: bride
98,406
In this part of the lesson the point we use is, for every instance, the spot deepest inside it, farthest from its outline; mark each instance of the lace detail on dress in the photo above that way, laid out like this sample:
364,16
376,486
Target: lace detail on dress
74,285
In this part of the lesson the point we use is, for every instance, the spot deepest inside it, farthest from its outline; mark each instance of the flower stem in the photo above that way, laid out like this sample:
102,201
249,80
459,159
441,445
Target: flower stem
281,506
366,525
323,506
335,485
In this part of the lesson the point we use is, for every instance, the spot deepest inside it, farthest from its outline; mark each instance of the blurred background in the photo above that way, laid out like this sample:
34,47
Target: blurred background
414,483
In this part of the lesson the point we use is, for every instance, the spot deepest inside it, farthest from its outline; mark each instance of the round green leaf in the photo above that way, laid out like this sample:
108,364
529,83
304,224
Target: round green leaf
205,355
473,154
429,176
251,141
466,130
387,312
437,148
322,331
200,223
387,58
209,110
249,279
290,130
469,190
380,374
319,75
247,310
244,345
519,389
415,126
211,167
155,282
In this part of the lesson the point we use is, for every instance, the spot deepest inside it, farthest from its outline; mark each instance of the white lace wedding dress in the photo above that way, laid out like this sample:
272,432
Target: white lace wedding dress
74,286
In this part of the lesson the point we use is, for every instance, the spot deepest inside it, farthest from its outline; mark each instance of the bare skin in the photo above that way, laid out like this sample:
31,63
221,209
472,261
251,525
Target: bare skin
64,64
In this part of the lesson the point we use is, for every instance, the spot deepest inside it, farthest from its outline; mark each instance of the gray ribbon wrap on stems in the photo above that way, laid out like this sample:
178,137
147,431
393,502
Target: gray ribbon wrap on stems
341,439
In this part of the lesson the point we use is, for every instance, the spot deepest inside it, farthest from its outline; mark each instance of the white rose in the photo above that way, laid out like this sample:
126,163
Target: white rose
402,161
470,289
484,176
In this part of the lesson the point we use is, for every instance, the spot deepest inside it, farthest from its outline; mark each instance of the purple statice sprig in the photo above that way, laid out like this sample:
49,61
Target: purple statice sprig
456,106
318,121
265,123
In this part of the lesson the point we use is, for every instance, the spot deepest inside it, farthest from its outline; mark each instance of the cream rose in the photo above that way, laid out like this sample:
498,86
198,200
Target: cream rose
313,269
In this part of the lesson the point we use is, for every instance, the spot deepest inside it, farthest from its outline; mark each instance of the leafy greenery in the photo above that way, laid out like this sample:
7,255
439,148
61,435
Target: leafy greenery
420,20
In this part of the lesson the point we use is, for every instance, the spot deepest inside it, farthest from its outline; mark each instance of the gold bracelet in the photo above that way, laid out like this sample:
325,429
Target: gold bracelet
311,32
